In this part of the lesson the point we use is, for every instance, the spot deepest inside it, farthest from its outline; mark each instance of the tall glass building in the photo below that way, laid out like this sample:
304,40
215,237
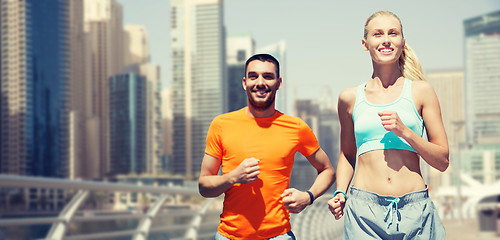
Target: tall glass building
103,26
198,72
153,104
482,78
34,87
239,47
127,106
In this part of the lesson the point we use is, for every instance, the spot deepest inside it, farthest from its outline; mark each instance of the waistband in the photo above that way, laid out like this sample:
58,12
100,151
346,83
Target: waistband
386,200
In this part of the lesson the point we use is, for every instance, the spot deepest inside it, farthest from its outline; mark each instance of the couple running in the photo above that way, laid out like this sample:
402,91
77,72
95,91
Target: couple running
382,126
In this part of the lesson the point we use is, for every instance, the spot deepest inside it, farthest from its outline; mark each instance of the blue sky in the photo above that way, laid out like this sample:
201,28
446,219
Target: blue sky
323,37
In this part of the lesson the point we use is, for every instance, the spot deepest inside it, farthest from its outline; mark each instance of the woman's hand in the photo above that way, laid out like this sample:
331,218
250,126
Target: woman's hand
336,206
392,122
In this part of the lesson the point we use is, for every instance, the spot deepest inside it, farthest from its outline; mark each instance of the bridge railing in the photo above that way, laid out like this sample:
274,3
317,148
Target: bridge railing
159,221
140,223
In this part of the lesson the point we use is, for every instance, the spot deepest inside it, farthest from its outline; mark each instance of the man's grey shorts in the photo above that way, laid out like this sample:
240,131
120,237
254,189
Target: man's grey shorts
371,216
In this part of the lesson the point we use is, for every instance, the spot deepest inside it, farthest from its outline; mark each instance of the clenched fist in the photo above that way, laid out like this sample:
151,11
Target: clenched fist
247,171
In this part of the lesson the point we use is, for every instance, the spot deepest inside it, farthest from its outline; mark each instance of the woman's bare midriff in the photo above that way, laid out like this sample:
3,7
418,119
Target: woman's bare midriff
389,172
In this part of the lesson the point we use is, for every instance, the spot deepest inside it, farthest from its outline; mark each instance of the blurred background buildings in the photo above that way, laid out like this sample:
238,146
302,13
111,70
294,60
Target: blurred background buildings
81,99
198,78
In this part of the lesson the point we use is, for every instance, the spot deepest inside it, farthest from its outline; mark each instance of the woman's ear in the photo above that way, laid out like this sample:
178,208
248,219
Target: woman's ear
363,42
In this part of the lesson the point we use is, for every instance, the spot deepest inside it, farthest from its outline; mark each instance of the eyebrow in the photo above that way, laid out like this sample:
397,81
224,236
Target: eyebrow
264,73
380,29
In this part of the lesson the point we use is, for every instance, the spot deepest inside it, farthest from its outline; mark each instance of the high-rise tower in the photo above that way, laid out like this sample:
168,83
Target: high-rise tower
137,61
482,78
34,84
136,41
198,72
104,28
128,106
239,48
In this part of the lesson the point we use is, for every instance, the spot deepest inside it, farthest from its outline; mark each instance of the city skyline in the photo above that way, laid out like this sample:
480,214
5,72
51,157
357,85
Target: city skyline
324,40
104,20
82,94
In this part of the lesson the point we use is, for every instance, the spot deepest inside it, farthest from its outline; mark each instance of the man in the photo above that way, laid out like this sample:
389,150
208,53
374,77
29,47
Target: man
256,146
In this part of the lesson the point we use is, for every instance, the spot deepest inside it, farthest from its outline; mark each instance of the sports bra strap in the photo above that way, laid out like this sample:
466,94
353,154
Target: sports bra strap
406,92
360,94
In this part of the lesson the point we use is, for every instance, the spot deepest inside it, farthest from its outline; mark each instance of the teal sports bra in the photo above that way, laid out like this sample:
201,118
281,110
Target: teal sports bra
368,130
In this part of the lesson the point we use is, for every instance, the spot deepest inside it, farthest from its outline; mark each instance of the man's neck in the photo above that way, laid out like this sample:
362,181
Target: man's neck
260,113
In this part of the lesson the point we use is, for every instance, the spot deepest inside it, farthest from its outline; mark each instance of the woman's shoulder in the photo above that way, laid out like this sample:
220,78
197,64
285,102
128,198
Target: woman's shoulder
423,93
422,86
348,95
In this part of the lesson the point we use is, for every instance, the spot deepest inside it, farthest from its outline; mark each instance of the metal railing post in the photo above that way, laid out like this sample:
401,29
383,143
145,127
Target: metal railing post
192,232
58,229
145,223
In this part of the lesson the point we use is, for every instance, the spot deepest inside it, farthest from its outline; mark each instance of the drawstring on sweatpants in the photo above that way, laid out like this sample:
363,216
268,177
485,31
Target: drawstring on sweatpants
394,201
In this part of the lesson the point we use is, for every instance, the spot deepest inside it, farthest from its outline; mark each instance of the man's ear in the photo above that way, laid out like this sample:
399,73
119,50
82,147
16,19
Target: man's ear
243,83
363,42
281,81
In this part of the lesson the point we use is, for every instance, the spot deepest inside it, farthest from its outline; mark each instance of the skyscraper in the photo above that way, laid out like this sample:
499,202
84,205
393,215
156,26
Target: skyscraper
15,87
34,85
136,41
104,28
82,163
482,78
449,87
128,145
198,72
322,118
303,174
238,48
329,126
154,102
167,129
137,61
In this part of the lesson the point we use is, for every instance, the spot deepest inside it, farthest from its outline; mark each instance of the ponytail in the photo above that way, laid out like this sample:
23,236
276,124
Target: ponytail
410,65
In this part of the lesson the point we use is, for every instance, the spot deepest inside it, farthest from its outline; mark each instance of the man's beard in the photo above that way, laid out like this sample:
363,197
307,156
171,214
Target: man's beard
262,105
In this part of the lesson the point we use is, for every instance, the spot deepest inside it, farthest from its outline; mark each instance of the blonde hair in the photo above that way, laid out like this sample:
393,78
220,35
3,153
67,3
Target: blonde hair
409,65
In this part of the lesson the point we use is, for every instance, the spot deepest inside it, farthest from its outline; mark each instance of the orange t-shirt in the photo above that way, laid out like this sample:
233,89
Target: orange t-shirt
255,210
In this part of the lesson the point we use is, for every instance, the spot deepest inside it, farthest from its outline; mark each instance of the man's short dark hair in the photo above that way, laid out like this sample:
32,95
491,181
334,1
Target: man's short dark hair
263,57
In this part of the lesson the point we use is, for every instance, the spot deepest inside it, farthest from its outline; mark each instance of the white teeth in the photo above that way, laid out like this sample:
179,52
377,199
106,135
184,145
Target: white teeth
386,50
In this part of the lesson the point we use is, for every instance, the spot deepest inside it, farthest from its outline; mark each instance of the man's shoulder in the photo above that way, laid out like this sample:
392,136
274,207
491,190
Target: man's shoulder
283,117
230,116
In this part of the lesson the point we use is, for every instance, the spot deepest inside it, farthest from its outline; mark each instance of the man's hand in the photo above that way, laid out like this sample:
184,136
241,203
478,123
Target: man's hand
336,206
246,172
294,200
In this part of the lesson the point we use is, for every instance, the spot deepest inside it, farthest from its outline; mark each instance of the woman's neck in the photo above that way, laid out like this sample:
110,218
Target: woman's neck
387,74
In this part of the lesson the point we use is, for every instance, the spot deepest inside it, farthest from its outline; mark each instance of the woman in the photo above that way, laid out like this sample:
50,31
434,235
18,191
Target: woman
382,123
